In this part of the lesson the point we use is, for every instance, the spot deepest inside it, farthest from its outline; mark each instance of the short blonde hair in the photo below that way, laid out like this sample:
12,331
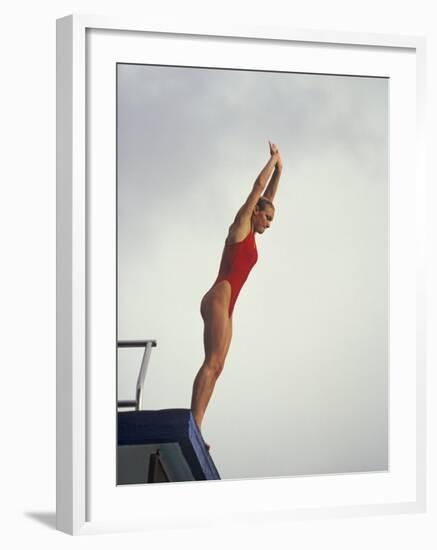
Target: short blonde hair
263,202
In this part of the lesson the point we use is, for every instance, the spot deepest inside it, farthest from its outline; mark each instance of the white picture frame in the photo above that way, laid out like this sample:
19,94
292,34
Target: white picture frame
76,409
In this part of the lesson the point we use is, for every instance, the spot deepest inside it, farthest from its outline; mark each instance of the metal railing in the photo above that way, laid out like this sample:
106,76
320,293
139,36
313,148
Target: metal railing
139,392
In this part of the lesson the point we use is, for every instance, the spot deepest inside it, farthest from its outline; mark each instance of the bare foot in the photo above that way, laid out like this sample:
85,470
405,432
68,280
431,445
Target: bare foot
208,447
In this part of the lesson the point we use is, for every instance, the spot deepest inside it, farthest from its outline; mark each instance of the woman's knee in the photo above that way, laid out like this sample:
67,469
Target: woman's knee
215,363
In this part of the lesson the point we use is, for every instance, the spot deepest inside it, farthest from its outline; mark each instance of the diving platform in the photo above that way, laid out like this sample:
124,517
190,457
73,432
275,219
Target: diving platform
160,445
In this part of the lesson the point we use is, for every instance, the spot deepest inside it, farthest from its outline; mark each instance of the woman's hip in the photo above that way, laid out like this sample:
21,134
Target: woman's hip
217,299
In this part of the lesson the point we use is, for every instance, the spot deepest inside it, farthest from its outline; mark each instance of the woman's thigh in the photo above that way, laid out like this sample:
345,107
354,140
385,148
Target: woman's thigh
217,329
228,337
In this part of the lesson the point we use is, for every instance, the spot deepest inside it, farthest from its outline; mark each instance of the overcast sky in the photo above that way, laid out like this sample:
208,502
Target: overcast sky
305,385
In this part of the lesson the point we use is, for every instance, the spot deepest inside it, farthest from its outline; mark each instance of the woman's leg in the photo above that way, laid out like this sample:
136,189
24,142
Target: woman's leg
217,338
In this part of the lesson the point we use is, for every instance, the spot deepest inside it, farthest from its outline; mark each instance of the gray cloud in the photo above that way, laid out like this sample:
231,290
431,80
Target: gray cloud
308,364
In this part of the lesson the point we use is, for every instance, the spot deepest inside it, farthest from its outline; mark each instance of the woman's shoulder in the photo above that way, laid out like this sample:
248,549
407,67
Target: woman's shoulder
238,232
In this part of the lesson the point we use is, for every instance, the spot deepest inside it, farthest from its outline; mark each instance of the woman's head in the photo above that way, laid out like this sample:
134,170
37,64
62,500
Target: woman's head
263,215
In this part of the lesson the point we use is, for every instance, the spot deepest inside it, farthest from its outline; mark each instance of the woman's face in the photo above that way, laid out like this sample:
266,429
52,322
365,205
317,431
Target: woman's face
262,218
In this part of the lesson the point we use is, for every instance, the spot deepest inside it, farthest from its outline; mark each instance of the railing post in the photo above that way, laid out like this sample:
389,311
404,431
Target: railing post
139,392
142,376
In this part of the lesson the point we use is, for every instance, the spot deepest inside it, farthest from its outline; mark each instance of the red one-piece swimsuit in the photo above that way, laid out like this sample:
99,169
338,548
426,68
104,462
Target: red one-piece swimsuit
236,263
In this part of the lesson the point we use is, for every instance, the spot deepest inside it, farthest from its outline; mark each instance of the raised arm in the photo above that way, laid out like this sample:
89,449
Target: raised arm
274,181
246,210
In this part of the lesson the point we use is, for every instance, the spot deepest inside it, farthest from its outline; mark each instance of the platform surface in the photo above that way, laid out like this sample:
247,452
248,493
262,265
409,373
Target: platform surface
175,432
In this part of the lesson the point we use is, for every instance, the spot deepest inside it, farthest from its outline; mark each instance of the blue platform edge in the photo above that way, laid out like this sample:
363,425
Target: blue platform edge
168,426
